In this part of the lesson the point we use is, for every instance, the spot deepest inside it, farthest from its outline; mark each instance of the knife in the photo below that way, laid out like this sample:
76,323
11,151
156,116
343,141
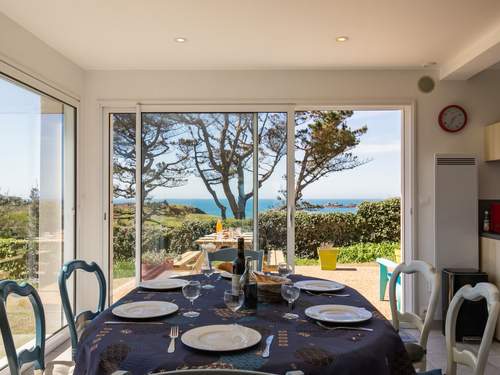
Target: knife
269,341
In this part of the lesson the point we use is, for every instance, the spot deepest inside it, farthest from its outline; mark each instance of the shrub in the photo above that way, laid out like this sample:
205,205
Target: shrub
368,252
23,258
380,221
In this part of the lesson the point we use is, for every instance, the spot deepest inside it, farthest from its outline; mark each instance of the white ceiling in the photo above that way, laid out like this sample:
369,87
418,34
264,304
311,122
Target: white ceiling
257,34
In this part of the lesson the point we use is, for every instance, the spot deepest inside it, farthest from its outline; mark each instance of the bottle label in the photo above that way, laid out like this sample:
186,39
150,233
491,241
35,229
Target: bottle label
235,284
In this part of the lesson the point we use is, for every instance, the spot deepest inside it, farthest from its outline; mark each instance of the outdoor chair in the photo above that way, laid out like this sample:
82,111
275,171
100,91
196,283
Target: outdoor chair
416,350
229,254
466,357
77,324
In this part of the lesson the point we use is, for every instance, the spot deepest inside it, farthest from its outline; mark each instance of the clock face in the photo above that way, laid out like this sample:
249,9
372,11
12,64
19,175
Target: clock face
453,118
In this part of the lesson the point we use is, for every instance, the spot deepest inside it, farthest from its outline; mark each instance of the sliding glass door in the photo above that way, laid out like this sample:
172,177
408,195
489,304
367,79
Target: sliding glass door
37,201
201,174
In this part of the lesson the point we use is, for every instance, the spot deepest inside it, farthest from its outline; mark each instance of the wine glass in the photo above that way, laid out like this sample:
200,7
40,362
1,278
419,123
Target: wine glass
234,301
284,269
291,293
191,291
206,268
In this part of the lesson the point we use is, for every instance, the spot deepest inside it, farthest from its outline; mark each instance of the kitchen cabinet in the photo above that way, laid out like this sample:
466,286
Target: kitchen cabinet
490,263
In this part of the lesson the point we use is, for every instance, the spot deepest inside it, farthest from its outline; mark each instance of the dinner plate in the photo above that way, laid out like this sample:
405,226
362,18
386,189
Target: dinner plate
221,337
320,285
144,309
338,313
163,284
226,275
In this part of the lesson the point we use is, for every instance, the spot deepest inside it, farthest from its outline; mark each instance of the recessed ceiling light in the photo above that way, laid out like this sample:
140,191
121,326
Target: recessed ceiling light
180,40
342,38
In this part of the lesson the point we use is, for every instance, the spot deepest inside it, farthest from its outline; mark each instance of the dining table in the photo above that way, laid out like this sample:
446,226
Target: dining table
110,343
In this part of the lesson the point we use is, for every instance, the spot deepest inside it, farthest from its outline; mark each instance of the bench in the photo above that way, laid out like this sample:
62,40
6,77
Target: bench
386,267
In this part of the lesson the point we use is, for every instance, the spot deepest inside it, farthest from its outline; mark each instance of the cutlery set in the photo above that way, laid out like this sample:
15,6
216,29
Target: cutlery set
327,294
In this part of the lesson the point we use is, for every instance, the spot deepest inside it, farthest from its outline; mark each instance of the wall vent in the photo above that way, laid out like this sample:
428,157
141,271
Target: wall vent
455,161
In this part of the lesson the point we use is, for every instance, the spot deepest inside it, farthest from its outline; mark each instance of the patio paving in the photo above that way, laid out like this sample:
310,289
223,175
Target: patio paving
363,277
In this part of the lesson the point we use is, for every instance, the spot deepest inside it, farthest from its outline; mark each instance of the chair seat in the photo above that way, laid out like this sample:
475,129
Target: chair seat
59,368
415,351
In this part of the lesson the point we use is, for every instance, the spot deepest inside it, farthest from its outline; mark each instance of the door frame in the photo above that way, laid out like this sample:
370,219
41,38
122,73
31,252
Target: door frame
408,162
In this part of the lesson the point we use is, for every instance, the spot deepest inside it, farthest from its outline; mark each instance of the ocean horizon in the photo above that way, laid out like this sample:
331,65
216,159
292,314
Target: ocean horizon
210,208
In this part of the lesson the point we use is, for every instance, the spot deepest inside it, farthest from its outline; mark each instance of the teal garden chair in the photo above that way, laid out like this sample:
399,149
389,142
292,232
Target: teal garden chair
228,255
78,323
36,355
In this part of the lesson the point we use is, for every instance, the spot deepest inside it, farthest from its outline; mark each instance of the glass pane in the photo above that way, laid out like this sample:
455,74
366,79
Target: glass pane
196,177
272,139
123,220
36,200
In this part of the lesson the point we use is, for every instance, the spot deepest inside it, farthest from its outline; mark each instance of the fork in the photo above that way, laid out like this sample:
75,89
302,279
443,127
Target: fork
344,328
174,333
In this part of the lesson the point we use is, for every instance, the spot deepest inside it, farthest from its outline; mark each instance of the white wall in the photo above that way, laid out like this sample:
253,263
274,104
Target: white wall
26,51
480,96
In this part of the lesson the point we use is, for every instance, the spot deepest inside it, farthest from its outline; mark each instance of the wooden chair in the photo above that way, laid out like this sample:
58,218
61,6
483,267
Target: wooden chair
465,357
36,355
228,255
417,351
77,324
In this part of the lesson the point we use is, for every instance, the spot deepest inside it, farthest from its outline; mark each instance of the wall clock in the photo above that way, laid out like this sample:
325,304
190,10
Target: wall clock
452,118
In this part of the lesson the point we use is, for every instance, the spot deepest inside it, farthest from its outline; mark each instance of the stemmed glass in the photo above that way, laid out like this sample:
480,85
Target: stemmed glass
291,293
191,291
284,269
206,267
234,301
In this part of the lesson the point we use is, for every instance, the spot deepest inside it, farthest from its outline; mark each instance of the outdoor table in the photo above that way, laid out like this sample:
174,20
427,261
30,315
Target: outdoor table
221,242
298,344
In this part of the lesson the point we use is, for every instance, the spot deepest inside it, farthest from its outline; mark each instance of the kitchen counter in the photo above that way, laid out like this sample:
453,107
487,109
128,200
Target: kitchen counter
494,236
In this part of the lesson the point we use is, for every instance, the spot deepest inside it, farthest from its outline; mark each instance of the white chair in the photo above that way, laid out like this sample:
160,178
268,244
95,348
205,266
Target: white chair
416,350
465,357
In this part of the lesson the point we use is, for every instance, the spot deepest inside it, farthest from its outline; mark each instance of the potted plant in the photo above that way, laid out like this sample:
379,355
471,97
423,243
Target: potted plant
328,256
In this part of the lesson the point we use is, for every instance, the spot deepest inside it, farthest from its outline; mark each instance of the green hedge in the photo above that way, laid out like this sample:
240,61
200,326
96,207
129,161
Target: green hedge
368,252
374,222
19,251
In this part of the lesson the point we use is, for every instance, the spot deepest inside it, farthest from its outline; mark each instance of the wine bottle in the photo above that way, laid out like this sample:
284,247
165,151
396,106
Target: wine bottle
249,286
238,267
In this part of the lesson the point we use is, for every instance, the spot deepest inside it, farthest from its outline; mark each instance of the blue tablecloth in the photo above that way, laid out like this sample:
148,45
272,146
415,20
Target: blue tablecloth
299,344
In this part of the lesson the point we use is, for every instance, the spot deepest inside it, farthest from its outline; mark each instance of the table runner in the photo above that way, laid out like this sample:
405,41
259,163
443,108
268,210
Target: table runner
298,344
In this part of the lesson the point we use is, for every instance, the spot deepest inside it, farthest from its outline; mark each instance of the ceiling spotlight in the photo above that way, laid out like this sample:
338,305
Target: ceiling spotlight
342,39
180,40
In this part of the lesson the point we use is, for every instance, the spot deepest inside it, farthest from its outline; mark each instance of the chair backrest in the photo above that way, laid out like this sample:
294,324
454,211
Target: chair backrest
36,354
229,254
431,277
77,324
465,357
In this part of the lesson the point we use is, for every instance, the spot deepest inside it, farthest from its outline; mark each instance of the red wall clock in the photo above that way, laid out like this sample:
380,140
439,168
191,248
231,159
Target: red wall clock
452,118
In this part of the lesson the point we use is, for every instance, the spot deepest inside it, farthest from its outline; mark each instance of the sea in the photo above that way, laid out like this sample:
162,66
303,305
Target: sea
209,207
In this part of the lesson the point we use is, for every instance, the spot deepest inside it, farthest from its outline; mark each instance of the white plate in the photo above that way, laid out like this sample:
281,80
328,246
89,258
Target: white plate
338,313
320,285
145,309
163,284
221,337
226,275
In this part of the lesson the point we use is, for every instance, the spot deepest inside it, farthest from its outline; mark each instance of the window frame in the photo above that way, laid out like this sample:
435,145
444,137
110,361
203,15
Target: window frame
33,83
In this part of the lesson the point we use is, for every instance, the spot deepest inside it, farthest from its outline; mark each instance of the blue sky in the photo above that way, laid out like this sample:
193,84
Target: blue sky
21,123
379,178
